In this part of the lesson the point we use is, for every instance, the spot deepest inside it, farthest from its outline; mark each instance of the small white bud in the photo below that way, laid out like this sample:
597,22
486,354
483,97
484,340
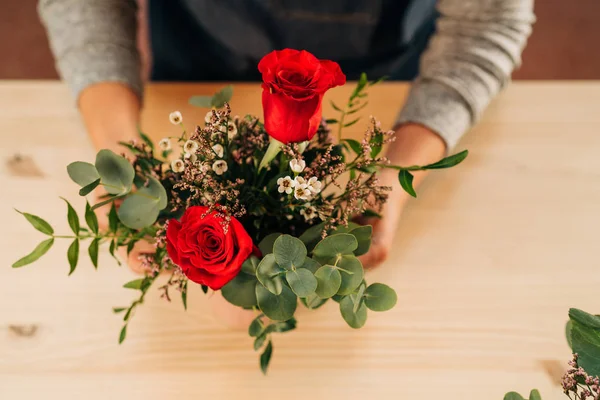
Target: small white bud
175,117
191,146
218,149
297,166
165,144
220,167
177,165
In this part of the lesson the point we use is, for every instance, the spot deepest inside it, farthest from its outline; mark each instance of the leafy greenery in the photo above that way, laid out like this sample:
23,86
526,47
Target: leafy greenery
585,339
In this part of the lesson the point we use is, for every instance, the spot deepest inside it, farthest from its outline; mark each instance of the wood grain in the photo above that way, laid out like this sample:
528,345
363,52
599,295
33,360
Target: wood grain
485,267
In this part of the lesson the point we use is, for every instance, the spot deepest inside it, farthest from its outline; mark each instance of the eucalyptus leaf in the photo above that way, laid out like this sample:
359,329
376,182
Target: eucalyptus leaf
266,245
82,173
91,219
268,274
115,171
38,223
222,96
333,245
313,301
329,281
289,251
301,281
201,101
277,307
354,319
311,265
265,357
256,327
363,237
241,291
380,297
535,395
250,265
312,235
406,181
93,252
141,209
72,217
84,191
448,162
39,251
73,255
259,341
352,274
513,396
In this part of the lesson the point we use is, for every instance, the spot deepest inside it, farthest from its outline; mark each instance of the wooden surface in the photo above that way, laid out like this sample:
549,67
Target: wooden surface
487,262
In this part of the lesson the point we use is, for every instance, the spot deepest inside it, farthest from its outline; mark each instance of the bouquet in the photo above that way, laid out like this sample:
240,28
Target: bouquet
261,211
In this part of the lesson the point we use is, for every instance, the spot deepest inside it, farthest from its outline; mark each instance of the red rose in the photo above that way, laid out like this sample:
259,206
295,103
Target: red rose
294,83
205,252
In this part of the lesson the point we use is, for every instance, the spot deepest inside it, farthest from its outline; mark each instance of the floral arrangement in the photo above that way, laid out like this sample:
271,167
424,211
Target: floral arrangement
261,211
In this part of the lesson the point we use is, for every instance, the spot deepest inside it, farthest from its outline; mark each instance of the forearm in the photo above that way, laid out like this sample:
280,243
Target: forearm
110,112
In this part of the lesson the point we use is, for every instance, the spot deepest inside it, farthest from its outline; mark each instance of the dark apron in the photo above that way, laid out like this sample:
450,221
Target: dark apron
223,40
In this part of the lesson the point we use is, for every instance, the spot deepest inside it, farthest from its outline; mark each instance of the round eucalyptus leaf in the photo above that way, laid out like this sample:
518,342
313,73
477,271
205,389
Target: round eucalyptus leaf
241,291
115,171
346,229
329,281
256,327
312,235
250,265
352,274
311,265
302,281
268,274
334,245
289,251
355,319
380,297
266,245
313,301
363,237
277,307
82,173
140,209
155,190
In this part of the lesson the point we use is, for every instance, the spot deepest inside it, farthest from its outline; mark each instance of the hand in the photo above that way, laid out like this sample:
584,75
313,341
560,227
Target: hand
414,145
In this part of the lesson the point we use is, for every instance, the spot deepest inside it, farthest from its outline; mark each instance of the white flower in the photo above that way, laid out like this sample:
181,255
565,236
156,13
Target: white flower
191,146
231,130
220,167
165,144
208,117
191,157
309,212
175,117
177,165
301,192
300,181
297,165
218,149
314,185
205,167
285,185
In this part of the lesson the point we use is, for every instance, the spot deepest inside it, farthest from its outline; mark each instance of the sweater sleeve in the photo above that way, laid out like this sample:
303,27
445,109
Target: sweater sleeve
93,41
469,59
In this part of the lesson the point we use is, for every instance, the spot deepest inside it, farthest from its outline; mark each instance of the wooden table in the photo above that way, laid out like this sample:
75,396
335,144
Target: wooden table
487,262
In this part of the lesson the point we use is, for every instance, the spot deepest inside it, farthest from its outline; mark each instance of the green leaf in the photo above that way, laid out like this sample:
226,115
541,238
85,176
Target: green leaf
302,281
312,235
277,307
266,245
104,202
84,191
331,246
313,301
201,101
241,291
204,288
289,251
354,145
355,110
380,297
118,310
351,122
513,396
406,181
368,213
281,327
184,294
586,343
259,341
331,121
146,139
136,284
222,96
363,237
362,83
329,281
123,334
93,252
568,333
354,319
335,107
448,162
256,327
38,223
268,274
535,395
352,280
115,171
265,358
39,251
113,219
141,209
82,173
72,217
250,265
73,255
311,265
587,319
91,219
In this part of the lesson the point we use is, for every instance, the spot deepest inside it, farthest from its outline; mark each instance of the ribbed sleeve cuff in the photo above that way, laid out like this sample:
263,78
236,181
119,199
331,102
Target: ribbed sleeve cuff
438,107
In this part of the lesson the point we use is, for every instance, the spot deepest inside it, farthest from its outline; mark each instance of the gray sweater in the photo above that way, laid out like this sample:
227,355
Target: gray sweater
469,59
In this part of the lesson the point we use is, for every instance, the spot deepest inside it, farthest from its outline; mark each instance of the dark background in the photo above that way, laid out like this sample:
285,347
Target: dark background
564,44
